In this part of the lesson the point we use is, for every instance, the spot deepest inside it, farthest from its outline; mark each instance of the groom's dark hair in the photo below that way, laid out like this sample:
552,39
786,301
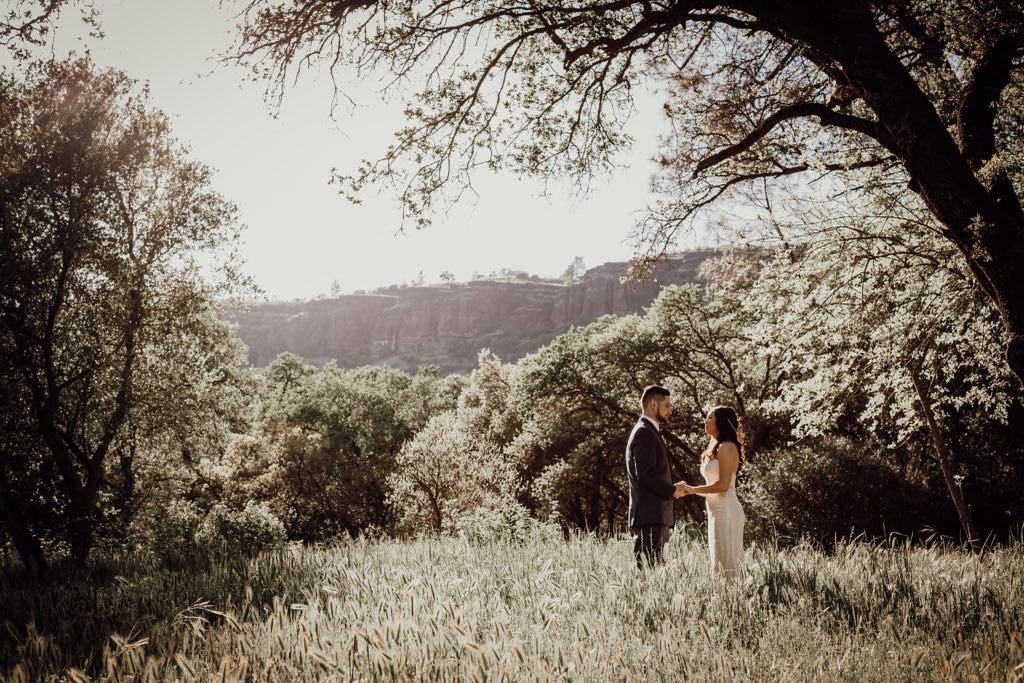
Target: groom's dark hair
652,391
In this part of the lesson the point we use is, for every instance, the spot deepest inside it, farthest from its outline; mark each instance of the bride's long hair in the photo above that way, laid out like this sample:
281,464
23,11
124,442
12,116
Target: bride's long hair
730,428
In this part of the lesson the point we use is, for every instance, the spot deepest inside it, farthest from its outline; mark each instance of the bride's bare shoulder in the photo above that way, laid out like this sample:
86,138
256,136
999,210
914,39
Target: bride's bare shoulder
729,450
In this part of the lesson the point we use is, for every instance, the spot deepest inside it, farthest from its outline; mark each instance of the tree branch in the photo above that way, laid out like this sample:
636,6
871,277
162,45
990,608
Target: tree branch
651,22
977,108
793,111
977,112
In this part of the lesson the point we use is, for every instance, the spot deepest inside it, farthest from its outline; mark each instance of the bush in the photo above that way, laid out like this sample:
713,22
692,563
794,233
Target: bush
509,522
831,489
169,531
246,531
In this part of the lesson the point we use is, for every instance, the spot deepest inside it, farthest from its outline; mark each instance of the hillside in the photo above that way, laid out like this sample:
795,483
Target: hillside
447,325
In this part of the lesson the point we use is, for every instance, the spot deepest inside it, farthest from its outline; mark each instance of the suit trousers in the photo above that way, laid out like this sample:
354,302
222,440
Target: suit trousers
648,542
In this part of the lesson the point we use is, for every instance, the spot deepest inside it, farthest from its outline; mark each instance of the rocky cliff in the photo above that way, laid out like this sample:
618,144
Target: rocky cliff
447,325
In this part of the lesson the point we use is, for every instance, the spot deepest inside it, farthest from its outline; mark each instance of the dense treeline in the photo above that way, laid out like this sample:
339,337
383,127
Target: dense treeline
862,357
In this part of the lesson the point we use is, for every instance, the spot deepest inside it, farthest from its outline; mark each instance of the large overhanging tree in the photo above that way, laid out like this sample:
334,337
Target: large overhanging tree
27,23
928,91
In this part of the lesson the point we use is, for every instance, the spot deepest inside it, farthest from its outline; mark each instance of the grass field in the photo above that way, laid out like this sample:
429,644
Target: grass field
442,609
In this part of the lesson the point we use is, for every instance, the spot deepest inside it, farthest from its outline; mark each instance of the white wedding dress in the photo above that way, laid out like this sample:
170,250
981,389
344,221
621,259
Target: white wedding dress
725,525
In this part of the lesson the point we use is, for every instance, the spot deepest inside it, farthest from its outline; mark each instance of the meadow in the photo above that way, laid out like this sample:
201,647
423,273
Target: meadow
546,609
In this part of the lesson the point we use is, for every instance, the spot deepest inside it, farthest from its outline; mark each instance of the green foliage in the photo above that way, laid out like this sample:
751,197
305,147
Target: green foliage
454,475
318,465
432,478
826,489
906,107
574,271
182,529
28,23
880,326
113,354
509,522
853,321
874,326
284,375
579,395
246,531
169,530
781,336
127,400
442,609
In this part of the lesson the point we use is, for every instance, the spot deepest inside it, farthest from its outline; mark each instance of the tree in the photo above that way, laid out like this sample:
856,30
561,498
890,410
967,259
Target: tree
29,499
428,486
582,393
459,464
285,374
25,23
697,345
193,397
447,277
928,92
102,215
888,331
329,444
575,270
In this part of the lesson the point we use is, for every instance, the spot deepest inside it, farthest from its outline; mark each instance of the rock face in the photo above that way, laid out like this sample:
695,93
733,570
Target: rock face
447,325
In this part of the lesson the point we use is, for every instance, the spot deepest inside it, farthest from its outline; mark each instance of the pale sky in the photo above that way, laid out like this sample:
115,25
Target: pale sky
300,234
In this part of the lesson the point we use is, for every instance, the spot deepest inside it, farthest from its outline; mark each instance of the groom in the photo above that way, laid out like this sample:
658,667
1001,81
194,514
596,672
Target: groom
651,491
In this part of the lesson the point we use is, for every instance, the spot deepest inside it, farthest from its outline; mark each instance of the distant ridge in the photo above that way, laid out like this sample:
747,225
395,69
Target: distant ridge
447,325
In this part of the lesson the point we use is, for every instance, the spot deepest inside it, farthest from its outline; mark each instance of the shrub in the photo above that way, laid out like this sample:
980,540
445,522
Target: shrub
831,489
507,522
169,531
246,531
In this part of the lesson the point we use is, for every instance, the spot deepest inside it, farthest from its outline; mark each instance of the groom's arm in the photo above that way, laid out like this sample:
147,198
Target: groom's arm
645,463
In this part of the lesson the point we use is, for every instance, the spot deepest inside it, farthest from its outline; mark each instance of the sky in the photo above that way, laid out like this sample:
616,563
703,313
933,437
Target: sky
300,235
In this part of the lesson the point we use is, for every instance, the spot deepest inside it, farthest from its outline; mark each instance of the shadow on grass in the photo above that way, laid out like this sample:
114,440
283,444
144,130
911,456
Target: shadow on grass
67,616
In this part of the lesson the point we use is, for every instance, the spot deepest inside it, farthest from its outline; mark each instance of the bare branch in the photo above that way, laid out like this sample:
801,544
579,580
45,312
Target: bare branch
797,110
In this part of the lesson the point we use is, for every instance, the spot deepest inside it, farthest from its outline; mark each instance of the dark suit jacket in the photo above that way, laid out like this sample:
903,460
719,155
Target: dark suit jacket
650,478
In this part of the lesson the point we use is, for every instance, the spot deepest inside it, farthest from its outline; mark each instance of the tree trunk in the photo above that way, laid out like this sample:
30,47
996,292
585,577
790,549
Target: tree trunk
576,515
27,545
80,529
126,459
80,503
611,513
435,508
593,517
945,457
84,510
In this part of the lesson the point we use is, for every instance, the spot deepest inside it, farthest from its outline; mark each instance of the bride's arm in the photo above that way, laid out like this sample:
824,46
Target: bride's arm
728,461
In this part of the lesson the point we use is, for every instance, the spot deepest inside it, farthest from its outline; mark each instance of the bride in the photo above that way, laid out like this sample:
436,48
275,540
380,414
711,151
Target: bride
718,465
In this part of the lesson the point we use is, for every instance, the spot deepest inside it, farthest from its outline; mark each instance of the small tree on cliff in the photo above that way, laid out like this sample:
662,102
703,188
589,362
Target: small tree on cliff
926,93
574,271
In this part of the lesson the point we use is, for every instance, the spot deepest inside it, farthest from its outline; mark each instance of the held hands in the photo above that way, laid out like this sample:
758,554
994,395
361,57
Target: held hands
682,489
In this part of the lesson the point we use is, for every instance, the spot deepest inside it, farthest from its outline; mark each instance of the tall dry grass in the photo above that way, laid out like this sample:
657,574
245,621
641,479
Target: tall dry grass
548,609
